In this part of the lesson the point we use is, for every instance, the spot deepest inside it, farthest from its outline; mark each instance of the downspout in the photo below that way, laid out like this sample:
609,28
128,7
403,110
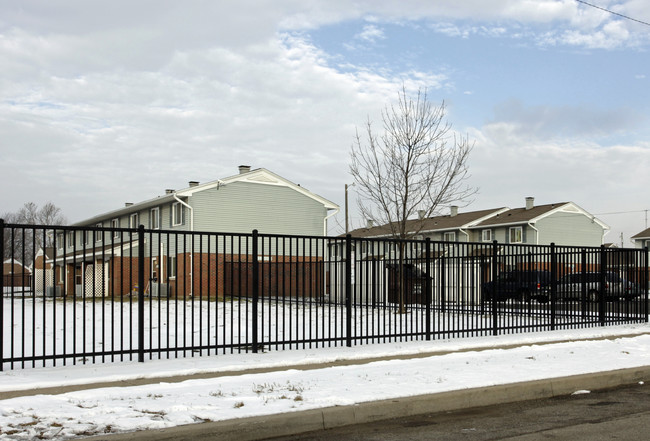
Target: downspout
192,252
327,217
536,233
465,233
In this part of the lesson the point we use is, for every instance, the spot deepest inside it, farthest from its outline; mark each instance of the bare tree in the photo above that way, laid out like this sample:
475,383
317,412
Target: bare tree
411,169
21,243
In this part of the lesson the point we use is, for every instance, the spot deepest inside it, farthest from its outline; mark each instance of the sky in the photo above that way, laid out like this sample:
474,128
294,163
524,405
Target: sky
103,103
461,364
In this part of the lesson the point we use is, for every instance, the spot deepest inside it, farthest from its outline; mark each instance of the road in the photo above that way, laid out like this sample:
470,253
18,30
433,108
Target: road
622,413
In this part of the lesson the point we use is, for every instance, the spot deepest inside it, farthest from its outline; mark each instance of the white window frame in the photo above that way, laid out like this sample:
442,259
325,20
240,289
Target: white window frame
115,223
449,236
59,239
134,220
513,232
171,267
98,234
72,239
154,218
88,237
486,235
175,221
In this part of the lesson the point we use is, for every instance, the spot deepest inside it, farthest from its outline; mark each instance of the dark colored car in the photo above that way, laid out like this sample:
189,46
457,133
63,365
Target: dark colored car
576,285
519,285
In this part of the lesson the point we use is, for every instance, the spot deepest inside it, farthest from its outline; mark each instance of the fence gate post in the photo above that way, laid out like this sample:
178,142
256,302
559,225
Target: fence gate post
256,290
348,290
141,288
427,284
496,287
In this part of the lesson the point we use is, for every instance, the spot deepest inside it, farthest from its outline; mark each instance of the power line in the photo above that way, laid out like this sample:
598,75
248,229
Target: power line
614,13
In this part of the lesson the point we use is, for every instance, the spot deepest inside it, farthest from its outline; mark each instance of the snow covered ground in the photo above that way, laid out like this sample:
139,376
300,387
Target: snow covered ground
466,363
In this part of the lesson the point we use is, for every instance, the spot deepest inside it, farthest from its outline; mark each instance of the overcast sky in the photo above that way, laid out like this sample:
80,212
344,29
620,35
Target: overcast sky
107,102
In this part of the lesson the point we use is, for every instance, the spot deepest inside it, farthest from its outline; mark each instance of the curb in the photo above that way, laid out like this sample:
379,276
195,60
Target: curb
267,426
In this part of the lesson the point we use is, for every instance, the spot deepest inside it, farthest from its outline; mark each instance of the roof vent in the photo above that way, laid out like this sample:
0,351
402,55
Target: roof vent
530,202
370,223
128,204
244,169
193,183
169,191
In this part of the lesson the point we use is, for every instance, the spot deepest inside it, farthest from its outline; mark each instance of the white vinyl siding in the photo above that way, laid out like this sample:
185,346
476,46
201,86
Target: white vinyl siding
241,207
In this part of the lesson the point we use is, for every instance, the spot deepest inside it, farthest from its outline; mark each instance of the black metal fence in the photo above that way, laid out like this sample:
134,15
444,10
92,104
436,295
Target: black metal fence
111,294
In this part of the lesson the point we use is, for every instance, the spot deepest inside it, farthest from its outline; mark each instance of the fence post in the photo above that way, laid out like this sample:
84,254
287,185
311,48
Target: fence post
603,283
141,288
2,294
583,283
427,284
256,290
496,287
645,283
553,284
348,290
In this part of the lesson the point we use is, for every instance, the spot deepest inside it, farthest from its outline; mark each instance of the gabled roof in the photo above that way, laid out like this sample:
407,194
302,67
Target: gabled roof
258,176
518,216
645,234
431,224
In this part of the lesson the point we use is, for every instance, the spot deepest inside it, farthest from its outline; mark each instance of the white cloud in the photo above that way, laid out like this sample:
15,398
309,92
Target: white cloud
371,34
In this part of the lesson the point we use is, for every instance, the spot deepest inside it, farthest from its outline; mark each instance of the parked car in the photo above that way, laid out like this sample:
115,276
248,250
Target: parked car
519,285
573,286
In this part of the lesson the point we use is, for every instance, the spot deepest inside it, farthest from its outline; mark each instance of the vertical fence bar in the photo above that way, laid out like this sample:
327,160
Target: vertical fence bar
427,285
553,285
644,285
348,290
141,293
602,288
256,290
495,288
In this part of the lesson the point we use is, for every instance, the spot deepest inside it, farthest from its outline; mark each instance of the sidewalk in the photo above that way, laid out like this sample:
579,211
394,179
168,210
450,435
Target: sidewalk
542,374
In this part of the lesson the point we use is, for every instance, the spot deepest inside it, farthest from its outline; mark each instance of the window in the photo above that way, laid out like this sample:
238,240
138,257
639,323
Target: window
516,235
449,236
98,234
134,221
60,270
59,240
154,219
88,237
177,214
486,235
71,237
115,223
171,267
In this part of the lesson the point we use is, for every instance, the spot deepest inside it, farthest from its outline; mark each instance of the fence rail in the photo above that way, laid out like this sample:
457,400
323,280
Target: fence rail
113,294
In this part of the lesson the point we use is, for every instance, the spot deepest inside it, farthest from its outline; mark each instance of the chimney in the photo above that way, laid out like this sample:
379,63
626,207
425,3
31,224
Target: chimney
169,191
421,214
370,223
193,183
454,210
128,204
530,202
244,169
